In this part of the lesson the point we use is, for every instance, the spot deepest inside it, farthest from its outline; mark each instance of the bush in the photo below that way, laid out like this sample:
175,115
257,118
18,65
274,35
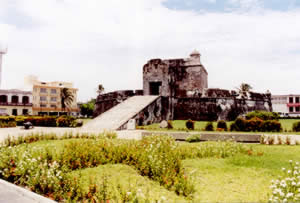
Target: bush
238,125
296,126
271,126
209,126
65,121
190,124
263,115
253,125
222,125
7,122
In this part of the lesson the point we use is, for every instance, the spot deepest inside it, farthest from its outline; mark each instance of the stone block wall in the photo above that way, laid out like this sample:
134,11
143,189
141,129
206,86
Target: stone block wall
106,101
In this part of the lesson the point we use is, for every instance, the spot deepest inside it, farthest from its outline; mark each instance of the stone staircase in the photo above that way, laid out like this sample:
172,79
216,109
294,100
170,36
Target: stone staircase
117,116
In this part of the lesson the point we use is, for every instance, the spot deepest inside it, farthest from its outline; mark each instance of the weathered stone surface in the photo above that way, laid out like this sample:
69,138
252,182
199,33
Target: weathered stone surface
182,85
131,124
163,124
175,77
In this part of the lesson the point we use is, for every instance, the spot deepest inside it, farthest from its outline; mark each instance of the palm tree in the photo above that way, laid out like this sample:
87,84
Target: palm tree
243,90
100,89
67,98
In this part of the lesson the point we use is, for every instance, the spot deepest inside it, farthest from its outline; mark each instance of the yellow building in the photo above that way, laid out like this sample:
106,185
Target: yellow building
47,98
15,102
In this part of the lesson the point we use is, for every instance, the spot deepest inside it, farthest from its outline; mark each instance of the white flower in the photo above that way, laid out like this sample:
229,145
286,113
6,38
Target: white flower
289,171
291,161
283,169
290,194
293,183
163,198
297,163
128,193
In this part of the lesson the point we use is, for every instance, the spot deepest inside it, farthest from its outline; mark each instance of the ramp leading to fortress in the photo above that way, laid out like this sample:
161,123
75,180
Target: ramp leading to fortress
117,116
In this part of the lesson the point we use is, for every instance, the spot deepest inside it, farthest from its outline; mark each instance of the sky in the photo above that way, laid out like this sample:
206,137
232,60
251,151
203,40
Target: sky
91,42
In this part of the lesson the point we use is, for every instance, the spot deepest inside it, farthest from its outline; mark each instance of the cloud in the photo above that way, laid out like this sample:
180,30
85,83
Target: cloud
90,42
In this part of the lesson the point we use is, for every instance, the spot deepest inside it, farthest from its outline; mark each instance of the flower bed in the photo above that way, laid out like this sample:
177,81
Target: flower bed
46,170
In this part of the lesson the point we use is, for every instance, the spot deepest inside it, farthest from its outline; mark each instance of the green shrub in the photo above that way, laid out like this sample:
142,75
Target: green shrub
238,125
263,115
190,124
65,121
296,126
7,122
271,126
222,125
253,125
209,126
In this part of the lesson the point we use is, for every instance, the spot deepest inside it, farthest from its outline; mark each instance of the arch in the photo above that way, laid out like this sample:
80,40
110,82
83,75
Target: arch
25,99
15,99
3,98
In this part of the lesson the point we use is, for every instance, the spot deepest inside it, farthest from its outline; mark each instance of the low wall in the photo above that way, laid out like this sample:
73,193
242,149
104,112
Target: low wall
216,108
106,101
204,136
153,113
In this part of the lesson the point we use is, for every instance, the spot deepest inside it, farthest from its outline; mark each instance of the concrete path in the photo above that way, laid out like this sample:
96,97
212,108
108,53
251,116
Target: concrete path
10,193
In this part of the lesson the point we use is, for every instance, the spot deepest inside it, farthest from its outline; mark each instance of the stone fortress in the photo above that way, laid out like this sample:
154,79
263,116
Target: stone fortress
182,93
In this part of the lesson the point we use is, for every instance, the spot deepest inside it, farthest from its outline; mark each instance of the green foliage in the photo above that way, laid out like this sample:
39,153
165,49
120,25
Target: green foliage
296,126
263,115
209,126
190,124
87,109
65,121
222,125
287,187
256,124
7,121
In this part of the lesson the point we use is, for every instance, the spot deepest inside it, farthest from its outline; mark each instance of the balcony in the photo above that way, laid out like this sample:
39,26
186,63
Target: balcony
293,104
14,104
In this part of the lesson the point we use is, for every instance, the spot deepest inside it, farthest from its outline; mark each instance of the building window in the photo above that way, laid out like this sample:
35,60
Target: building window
15,112
25,112
43,98
43,90
53,99
53,91
3,99
297,108
25,99
297,99
43,105
291,109
53,106
291,100
15,99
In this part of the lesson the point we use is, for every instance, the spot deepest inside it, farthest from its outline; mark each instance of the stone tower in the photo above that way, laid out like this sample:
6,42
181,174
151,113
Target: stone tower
175,77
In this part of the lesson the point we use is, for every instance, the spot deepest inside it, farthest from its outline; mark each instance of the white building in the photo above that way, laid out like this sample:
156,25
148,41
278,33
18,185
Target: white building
15,102
286,105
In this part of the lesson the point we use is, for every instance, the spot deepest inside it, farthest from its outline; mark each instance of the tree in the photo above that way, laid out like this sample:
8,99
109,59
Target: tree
243,90
67,98
100,89
87,109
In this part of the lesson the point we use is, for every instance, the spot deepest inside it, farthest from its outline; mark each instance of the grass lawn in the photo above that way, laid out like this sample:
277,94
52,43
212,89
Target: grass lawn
179,125
240,178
